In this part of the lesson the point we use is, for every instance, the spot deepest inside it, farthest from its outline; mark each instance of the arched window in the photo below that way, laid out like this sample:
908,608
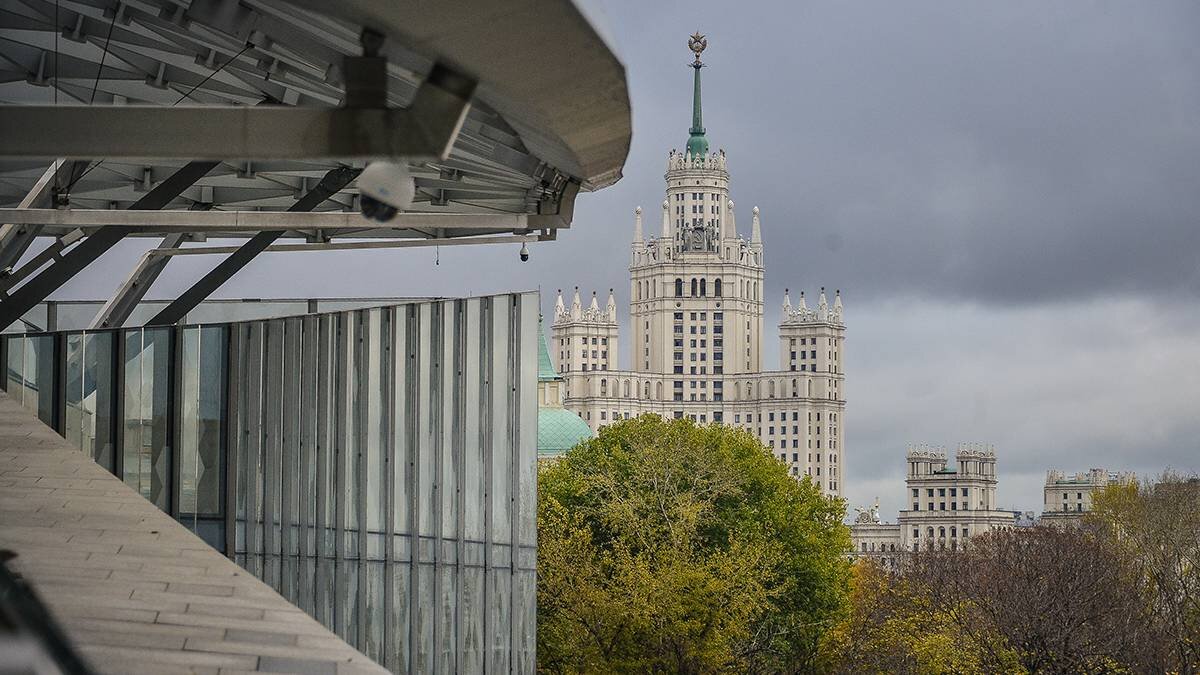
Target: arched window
795,388
953,532
679,288
756,291
703,287
810,388
717,288
647,394
929,531
625,389
658,391
603,387
771,387
864,547
941,533
695,288
737,391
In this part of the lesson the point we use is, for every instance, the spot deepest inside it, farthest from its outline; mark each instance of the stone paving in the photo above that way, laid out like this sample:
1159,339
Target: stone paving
133,589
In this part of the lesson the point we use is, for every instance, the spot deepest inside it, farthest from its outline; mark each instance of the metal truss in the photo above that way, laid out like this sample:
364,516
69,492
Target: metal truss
132,98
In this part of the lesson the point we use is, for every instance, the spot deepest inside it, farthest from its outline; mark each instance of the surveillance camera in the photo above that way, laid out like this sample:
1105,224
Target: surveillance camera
385,189
524,251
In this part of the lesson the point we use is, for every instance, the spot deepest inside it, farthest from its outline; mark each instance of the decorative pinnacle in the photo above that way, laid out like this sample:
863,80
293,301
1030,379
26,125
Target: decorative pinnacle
697,145
697,43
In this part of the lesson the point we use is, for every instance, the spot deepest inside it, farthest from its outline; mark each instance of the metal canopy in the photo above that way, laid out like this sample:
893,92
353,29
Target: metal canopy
245,80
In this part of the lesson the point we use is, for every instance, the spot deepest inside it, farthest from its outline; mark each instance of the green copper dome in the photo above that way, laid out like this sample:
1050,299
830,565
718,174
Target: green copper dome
559,430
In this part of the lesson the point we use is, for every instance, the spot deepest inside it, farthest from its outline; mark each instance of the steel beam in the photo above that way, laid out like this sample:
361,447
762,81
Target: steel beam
424,131
51,252
149,267
15,238
52,278
330,184
165,222
358,245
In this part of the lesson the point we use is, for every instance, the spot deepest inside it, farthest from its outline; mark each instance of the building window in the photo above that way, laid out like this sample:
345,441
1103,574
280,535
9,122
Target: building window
679,289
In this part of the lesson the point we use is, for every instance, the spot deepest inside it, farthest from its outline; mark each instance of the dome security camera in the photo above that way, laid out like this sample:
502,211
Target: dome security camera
385,189
524,251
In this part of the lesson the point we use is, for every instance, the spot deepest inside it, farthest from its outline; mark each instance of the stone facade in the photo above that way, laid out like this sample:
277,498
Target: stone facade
948,505
696,319
1067,498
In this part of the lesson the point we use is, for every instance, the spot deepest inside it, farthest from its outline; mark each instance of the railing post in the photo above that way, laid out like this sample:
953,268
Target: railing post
118,403
59,412
174,420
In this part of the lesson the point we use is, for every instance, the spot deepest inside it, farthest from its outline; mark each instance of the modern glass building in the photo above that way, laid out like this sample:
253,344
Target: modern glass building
375,466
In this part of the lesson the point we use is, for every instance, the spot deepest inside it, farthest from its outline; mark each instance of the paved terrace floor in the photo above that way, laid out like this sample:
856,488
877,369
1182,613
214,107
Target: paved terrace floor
135,590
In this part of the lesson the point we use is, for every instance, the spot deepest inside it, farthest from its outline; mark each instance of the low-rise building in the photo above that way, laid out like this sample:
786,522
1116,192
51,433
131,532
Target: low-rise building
949,504
1067,498
874,539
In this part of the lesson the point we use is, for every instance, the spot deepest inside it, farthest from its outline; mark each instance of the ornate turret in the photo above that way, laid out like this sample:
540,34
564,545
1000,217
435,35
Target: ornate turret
576,306
637,225
666,220
755,229
697,145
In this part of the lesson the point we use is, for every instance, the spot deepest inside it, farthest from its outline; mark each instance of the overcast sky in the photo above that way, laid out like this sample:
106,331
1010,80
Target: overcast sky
1006,193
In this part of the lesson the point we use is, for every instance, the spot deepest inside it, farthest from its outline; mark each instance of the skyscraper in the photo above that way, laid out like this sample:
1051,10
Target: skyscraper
696,318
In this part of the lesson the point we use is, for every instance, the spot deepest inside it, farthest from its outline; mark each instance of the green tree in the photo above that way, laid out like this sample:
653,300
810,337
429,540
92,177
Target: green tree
894,625
671,547
1155,525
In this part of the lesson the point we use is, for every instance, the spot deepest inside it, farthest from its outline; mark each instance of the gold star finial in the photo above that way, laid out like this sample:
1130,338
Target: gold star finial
697,43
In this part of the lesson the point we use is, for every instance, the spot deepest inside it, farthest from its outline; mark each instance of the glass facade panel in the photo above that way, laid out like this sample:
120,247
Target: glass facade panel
202,394
375,466
146,438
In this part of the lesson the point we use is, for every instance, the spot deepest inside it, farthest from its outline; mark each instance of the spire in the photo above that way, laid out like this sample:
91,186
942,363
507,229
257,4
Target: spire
576,306
837,301
730,222
787,303
546,371
822,306
697,145
559,310
637,225
611,307
803,307
755,229
593,307
666,221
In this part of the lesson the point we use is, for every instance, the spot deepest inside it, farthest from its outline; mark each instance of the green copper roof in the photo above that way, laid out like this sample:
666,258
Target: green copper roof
546,371
697,145
559,430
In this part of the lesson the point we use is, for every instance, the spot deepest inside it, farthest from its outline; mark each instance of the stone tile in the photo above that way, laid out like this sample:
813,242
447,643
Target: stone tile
134,589
260,637
285,664
222,590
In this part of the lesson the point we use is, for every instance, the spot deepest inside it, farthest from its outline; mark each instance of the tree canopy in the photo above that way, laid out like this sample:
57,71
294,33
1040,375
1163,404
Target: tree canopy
671,547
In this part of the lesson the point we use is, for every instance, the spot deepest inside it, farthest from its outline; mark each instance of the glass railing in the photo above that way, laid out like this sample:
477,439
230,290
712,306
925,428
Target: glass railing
376,466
